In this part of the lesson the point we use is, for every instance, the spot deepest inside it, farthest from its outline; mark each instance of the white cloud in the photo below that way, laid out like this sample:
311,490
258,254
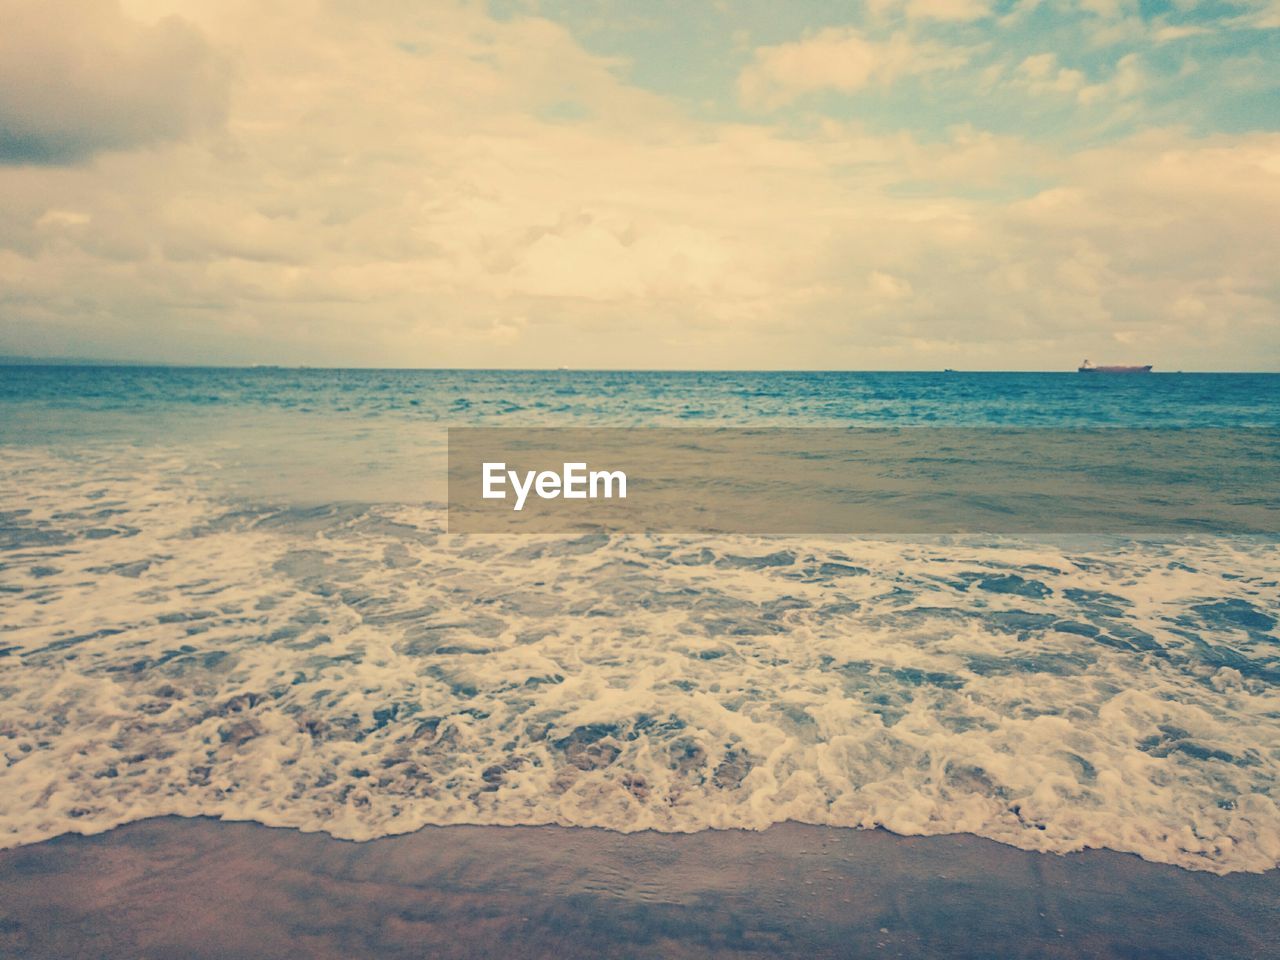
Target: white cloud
888,287
398,186
841,59
78,77
1168,34
940,10
1256,15
1040,74
1127,80
956,10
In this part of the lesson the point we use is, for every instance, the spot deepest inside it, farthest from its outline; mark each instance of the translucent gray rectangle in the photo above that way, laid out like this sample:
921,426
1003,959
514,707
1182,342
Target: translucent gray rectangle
870,481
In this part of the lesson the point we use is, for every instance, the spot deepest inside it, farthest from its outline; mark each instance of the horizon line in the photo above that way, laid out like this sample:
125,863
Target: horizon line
11,360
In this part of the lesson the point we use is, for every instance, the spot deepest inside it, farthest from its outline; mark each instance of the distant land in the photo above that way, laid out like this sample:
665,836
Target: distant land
15,361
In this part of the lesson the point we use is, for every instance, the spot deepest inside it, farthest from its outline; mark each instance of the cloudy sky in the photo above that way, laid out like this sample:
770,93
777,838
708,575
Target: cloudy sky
900,184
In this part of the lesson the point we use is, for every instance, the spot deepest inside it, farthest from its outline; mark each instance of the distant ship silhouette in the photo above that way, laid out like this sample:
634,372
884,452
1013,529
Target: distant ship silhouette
1087,367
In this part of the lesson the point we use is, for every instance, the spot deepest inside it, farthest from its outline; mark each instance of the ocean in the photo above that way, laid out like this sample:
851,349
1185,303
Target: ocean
232,592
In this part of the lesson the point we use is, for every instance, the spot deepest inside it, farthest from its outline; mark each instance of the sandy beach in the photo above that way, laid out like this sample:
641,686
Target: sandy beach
200,888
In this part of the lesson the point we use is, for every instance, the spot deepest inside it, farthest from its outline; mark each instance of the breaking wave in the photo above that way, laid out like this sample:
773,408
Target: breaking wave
352,668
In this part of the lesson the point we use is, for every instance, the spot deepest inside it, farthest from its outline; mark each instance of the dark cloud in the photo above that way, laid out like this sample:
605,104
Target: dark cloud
78,77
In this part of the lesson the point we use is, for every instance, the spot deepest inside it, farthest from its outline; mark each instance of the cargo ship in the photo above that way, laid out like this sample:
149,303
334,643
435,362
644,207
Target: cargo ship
1087,367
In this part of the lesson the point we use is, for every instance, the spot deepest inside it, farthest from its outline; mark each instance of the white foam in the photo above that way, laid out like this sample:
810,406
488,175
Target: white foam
357,671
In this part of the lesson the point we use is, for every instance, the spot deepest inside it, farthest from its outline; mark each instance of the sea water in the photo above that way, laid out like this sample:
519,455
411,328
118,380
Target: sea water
233,593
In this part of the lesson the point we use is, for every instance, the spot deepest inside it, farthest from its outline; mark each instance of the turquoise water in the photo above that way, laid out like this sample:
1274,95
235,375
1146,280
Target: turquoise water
570,398
231,592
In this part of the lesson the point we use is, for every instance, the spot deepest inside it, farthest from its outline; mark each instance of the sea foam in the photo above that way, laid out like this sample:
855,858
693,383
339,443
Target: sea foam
168,649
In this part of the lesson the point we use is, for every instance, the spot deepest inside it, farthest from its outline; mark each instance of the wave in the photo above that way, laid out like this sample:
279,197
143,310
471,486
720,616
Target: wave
352,668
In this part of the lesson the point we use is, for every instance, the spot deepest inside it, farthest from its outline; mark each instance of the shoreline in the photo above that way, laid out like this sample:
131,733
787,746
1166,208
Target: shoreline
216,818
205,888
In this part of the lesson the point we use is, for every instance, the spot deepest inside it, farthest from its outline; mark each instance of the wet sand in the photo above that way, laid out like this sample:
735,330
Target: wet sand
175,888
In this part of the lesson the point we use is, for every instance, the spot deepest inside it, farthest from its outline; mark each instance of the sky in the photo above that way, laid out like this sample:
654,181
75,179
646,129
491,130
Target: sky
891,184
